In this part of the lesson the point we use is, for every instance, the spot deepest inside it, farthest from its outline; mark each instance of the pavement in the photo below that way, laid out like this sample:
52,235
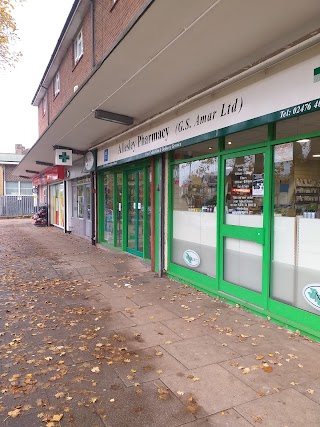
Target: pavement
90,337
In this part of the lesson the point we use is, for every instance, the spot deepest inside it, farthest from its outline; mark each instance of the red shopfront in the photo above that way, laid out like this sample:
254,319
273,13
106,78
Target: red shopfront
51,192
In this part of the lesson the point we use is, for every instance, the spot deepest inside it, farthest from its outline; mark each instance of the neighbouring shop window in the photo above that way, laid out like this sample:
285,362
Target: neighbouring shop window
57,204
80,198
296,240
246,137
108,209
194,215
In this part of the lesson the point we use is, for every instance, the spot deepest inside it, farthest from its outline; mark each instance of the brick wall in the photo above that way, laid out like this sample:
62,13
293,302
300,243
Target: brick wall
110,20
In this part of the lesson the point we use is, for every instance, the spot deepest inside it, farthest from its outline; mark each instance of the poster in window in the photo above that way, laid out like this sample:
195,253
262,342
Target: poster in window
283,152
257,185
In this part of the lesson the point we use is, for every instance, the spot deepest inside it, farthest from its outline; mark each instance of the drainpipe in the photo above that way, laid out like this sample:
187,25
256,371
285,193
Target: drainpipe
162,213
152,215
65,205
92,34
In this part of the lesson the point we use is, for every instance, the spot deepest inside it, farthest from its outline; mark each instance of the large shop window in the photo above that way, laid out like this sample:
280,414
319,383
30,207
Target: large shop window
194,215
296,243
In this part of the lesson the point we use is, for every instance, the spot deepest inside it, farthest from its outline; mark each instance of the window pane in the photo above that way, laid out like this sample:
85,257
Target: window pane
12,188
26,188
296,241
298,125
194,215
80,201
108,209
243,263
197,150
246,137
244,190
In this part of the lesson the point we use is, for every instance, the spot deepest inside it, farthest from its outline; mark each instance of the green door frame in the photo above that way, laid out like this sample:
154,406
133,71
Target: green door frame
145,253
258,235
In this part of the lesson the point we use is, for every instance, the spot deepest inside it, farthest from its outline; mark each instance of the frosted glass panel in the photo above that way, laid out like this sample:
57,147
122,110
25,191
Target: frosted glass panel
243,263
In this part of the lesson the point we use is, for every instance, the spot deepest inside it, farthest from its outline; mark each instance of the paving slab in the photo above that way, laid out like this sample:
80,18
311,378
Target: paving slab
275,366
154,313
147,365
211,388
199,351
229,418
286,408
149,335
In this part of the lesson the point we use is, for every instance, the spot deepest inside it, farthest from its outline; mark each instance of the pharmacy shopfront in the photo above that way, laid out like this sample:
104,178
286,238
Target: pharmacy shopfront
241,203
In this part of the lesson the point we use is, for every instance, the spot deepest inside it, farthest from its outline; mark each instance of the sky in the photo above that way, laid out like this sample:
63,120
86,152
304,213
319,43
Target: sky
39,24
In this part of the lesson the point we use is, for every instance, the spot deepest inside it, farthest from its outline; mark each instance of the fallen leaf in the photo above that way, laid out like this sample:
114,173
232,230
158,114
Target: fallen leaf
56,418
259,357
267,369
96,369
15,412
180,393
310,391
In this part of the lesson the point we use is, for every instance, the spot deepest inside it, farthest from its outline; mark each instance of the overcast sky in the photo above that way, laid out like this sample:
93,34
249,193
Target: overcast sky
39,25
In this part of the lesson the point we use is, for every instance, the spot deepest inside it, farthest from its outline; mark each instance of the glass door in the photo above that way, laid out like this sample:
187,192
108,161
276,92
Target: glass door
135,221
242,219
87,210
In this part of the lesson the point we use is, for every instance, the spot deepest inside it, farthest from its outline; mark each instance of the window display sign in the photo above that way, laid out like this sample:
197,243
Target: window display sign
241,190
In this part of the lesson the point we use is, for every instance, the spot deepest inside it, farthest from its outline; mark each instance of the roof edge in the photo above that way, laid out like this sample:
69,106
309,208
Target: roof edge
57,47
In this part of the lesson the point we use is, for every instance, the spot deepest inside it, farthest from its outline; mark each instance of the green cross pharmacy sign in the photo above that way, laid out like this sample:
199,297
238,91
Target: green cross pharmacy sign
63,157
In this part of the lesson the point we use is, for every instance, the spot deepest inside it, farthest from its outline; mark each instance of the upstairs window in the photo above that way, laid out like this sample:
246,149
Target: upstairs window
78,47
44,105
56,84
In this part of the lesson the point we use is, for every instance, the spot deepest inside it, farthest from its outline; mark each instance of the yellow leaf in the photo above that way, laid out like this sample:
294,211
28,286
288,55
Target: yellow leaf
180,393
15,412
267,369
57,417
259,357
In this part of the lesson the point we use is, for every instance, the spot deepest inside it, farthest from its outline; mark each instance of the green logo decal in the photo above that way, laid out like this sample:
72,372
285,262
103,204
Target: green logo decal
311,294
191,258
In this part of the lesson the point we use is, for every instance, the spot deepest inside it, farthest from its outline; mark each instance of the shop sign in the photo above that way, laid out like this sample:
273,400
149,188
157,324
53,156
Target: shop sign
50,175
311,294
191,258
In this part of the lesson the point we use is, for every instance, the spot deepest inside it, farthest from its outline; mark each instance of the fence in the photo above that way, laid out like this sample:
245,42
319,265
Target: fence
16,205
